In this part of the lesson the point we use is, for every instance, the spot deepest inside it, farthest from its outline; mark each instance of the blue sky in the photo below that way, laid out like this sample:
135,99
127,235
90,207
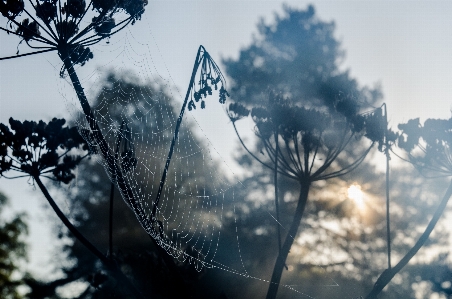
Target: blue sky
403,45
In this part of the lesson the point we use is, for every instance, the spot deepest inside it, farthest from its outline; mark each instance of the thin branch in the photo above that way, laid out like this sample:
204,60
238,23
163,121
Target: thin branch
306,161
99,138
388,228
275,178
299,167
55,37
15,177
315,153
388,222
345,170
254,156
90,26
27,54
33,38
333,155
38,22
87,42
34,47
285,167
112,193
83,15
60,22
44,40
297,151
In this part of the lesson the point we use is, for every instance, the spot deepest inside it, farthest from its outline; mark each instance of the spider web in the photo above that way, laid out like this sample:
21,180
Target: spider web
203,189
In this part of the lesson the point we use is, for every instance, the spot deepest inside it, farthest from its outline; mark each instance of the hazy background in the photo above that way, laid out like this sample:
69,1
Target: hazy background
403,45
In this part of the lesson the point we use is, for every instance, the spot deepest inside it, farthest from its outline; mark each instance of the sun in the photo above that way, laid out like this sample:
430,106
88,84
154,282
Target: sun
355,193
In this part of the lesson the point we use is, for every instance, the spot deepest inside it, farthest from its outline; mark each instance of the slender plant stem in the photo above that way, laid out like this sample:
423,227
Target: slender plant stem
113,168
177,278
112,194
388,222
388,274
276,189
27,54
176,131
123,186
108,263
110,220
290,237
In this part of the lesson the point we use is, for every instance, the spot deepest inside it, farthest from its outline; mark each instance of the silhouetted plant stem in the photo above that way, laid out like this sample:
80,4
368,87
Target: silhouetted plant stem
112,195
176,131
388,274
388,222
108,263
276,188
113,168
110,220
284,252
110,158
173,269
26,54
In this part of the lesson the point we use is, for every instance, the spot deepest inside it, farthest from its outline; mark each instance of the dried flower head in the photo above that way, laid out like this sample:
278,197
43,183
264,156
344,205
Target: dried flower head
57,25
39,148
428,146
209,76
302,141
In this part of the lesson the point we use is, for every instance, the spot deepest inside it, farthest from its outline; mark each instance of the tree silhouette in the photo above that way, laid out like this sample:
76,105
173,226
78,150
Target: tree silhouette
12,249
298,56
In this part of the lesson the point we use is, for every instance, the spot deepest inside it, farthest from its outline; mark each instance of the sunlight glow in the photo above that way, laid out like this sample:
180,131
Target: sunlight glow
354,192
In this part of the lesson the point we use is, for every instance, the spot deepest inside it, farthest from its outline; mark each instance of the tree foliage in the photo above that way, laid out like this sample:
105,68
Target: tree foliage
298,56
12,250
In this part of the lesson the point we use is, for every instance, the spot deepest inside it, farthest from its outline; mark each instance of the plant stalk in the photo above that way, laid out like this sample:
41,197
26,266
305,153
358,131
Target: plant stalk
112,195
110,220
176,131
108,263
388,274
388,222
290,238
113,168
